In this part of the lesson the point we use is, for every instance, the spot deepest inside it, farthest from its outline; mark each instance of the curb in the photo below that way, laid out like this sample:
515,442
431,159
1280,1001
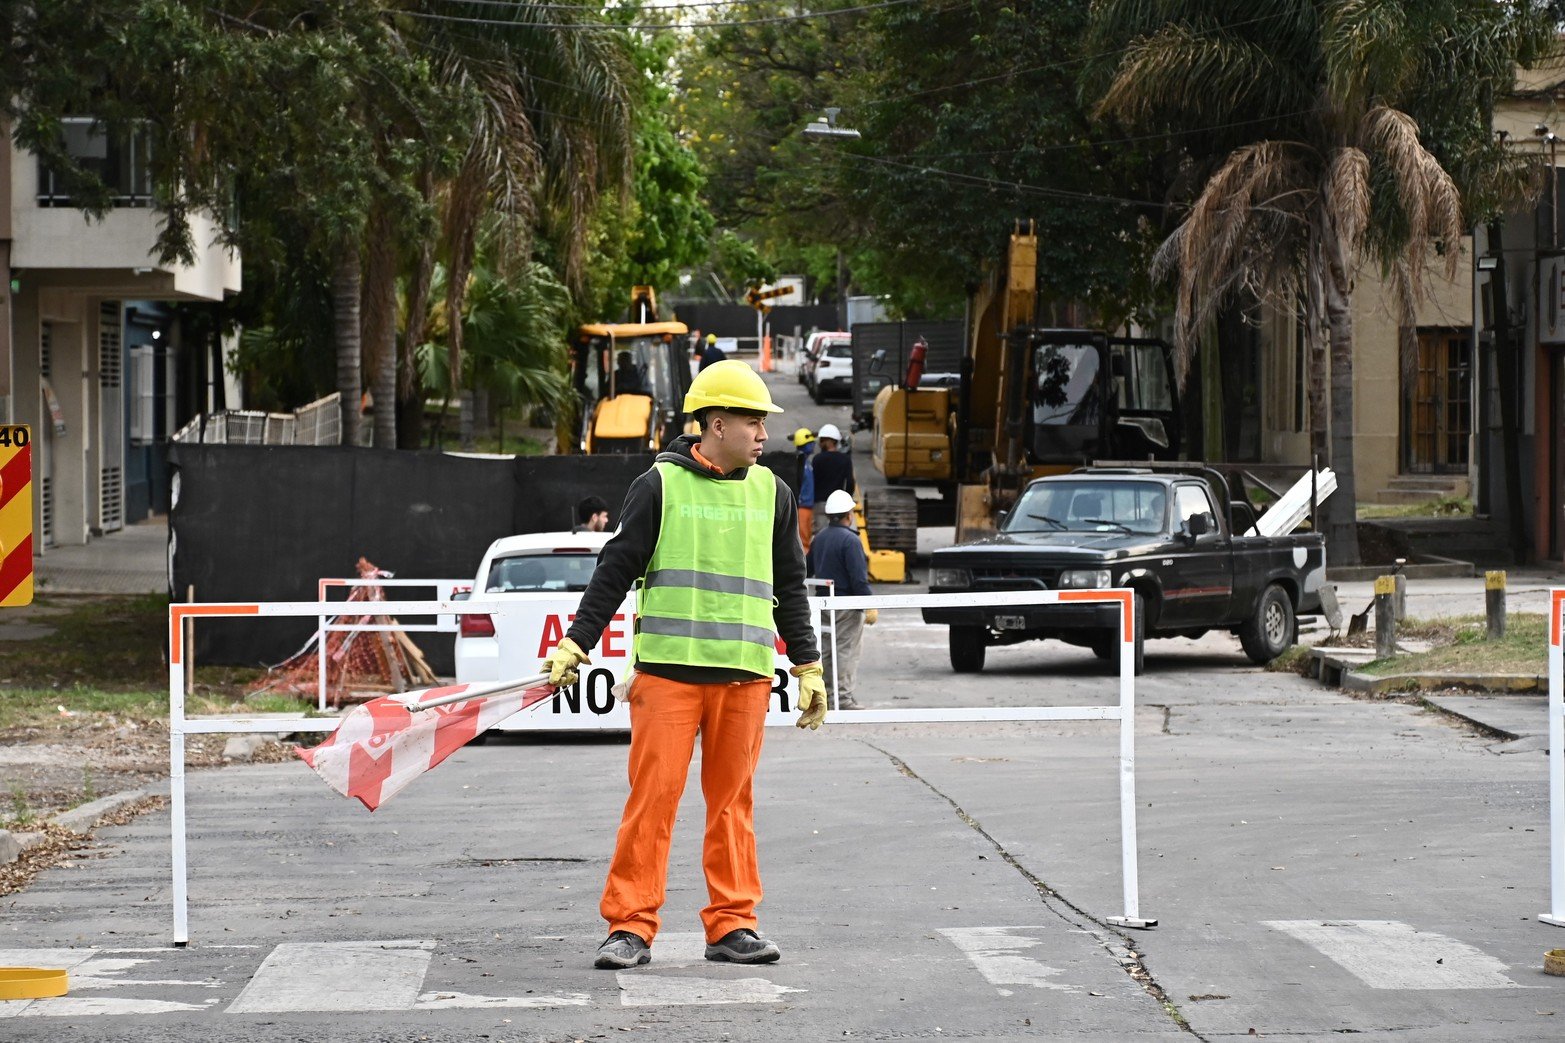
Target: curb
78,819
1430,566
1500,684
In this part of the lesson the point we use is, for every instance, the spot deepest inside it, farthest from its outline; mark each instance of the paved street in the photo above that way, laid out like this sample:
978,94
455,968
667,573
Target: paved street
1318,864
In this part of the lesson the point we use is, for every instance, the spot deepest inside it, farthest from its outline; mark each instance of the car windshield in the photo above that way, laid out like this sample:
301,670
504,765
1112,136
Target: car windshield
1095,506
519,573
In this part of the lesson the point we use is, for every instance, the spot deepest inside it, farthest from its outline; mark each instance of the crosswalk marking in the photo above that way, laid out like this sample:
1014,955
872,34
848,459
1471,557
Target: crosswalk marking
996,952
1389,954
679,950
646,988
337,977
446,1000
92,969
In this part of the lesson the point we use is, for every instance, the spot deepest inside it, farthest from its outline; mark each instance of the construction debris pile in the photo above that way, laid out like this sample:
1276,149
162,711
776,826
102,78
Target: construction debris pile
361,663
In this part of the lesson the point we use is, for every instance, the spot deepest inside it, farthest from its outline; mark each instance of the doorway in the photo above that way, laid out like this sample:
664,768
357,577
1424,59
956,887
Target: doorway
1437,404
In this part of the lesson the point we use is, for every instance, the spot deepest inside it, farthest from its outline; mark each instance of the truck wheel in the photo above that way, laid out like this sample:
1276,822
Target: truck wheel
1106,647
1269,633
967,649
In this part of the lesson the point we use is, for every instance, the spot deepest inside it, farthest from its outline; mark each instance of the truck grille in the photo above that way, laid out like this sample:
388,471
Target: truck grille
1014,577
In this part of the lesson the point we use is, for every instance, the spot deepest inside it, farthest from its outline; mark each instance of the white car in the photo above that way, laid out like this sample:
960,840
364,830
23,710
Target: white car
539,579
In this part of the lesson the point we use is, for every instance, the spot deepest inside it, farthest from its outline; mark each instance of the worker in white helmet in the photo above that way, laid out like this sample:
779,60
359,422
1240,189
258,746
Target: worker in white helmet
837,554
833,470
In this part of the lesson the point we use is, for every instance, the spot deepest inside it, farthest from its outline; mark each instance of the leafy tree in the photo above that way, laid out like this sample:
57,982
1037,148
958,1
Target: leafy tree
1316,161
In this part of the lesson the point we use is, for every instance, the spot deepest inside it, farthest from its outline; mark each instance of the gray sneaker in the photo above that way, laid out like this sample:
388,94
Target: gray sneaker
622,949
847,702
743,946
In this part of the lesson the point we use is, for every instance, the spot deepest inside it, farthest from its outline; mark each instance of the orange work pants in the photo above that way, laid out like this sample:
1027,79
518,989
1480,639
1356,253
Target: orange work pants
665,717
806,527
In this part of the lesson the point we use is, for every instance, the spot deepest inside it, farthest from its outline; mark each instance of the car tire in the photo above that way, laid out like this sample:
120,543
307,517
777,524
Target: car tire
1272,629
815,395
968,645
1103,647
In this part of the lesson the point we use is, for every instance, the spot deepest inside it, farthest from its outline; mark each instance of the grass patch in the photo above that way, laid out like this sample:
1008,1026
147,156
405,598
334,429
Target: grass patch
1459,647
107,644
1290,662
32,707
1444,507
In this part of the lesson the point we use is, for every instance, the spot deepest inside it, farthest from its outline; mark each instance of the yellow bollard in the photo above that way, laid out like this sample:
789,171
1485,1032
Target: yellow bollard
1494,604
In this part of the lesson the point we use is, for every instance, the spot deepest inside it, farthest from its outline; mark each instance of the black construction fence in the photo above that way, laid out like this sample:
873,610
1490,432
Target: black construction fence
264,523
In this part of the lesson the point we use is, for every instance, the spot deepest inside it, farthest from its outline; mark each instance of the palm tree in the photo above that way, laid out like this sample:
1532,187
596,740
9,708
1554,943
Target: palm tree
1314,162
550,136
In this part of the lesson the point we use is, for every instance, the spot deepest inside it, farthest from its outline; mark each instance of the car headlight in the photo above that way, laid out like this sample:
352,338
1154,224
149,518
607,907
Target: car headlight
1078,578
950,577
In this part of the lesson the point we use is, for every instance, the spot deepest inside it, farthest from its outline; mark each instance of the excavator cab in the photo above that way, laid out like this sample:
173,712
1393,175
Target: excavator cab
1090,395
631,378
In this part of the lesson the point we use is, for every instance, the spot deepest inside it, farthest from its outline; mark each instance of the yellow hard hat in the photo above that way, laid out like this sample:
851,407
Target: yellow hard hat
803,436
730,384
711,338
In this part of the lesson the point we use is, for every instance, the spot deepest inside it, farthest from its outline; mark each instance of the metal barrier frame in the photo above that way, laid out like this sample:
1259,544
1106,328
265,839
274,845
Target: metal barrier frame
1124,712
1556,913
444,588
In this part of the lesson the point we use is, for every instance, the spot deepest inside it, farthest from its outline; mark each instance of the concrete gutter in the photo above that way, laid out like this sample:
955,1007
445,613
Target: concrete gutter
78,819
1381,683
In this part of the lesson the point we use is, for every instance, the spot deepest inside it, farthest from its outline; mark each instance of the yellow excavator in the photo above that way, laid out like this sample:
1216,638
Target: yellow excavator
1031,401
630,378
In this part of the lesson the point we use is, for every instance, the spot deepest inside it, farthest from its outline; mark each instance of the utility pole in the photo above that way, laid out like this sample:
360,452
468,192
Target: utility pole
1506,375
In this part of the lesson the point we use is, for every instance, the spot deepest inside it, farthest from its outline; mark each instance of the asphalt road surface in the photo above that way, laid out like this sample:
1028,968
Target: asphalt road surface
1319,866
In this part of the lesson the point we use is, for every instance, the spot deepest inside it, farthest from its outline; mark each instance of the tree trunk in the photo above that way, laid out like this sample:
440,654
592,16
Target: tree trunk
465,417
410,388
1342,543
379,325
345,288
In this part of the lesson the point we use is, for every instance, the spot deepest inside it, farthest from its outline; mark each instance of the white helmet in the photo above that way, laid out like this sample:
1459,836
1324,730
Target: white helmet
839,502
829,431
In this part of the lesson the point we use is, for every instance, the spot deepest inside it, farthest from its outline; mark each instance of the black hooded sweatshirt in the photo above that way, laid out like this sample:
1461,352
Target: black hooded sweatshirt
625,558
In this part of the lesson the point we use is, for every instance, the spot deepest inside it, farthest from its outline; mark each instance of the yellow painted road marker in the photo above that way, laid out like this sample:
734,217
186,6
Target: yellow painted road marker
31,983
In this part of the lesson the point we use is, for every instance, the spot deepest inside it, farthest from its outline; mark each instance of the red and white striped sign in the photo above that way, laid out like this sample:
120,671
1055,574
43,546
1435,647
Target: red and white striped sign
386,743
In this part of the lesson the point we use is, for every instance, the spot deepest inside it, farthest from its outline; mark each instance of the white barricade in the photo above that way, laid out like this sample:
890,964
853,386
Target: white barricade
1124,712
1556,913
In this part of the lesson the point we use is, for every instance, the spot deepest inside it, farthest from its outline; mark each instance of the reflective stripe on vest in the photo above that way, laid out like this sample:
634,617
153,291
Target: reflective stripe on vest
706,599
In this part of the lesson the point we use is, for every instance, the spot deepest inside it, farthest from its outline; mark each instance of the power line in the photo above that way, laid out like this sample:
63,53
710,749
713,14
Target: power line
1068,63
1019,187
596,26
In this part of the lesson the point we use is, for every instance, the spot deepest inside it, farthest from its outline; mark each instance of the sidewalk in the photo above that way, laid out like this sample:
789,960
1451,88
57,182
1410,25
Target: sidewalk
131,561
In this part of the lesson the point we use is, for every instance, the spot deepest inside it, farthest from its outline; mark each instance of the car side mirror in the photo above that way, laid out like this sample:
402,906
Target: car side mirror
1198,525
877,361
999,519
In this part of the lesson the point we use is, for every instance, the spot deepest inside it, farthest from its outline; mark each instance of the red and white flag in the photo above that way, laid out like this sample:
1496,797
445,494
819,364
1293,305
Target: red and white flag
386,743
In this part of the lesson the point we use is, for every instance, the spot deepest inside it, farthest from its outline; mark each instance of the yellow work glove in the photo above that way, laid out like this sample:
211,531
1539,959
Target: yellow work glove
563,661
871,616
812,695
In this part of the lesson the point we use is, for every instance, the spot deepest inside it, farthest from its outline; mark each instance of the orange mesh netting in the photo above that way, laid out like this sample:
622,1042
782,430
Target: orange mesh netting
360,664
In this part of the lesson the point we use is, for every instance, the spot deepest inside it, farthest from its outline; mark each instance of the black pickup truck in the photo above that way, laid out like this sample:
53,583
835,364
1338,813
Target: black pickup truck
1166,536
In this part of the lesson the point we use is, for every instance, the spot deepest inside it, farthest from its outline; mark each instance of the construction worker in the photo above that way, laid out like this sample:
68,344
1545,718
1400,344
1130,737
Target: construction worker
710,353
708,537
804,445
833,471
838,555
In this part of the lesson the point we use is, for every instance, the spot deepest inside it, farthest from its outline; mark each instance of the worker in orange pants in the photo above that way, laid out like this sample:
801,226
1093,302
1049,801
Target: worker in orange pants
665,717
708,537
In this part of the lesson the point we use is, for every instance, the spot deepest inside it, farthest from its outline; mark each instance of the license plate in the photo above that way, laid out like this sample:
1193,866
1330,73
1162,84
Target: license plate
1010,622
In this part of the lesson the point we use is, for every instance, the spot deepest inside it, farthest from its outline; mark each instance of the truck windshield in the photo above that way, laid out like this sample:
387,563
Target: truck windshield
1097,506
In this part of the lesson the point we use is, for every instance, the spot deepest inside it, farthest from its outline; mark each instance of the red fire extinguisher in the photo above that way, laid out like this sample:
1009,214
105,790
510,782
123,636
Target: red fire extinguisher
915,363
